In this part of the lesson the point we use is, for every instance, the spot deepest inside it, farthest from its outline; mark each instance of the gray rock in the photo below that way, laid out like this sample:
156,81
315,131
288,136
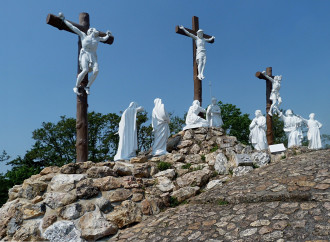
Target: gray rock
63,231
118,195
141,171
243,160
185,143
94,226
184,193
104,205
188,134
165,184
169,173
172,143
213,183
100,171
123,168
242,170
65,182
260,158
195,149
59,199
195,178
194,159
173,158
127,213
86,189
221,164
71,212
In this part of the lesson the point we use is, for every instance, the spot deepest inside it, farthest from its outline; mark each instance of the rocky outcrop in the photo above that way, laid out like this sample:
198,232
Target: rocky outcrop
91,201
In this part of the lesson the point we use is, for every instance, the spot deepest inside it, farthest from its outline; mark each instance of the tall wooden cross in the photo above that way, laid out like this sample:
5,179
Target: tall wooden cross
270,135
82,104
197,81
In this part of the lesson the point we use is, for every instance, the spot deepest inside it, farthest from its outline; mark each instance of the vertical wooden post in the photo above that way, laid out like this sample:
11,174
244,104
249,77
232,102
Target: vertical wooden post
269,120
197,82
82,105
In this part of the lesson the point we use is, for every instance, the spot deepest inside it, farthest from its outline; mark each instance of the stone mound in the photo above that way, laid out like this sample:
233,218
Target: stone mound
91,201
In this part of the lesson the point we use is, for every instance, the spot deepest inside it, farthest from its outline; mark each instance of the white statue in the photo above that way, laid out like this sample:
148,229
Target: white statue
192,119
213,114
257,132
313,134
87,56
200,50
292,128
160,121
275,94
128,145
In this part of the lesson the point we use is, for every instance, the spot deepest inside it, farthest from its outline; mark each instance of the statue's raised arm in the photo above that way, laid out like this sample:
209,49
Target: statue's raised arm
188,33
105,38
210,39
268,77
73,28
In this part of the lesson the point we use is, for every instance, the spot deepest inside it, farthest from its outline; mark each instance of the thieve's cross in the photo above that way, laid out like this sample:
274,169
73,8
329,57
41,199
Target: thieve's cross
269,133
197,81
82,104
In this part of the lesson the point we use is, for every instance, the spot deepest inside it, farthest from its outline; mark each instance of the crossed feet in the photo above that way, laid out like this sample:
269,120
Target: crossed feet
200,77
76,90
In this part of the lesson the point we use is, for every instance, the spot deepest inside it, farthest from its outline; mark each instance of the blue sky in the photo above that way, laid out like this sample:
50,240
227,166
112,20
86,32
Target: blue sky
148,60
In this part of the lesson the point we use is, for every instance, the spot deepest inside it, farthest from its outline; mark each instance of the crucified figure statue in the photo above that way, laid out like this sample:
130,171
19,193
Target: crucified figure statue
87,55
200,50
275,93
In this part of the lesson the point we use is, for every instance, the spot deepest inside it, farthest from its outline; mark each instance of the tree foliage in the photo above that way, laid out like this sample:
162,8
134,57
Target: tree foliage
234,122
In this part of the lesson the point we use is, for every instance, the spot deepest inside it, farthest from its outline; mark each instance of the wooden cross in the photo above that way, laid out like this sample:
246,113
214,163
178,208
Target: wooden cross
269,86
197,81
82,104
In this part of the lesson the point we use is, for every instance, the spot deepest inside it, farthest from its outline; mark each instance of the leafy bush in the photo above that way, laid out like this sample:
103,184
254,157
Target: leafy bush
186,166
174,202
223,203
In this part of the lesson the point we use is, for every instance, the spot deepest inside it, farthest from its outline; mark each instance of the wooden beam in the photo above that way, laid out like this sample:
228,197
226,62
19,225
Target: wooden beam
180,31
57,22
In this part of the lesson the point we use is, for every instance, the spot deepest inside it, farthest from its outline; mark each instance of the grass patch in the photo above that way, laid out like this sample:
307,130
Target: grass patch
174,202
215,173
283,157
214,149
162,166
203,157
255,166
186,166
222,203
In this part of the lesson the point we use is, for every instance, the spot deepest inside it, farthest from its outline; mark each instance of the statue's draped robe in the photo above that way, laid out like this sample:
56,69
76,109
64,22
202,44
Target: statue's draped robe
313,134
127,134
160,121
257,133
192,119
292,128
214,120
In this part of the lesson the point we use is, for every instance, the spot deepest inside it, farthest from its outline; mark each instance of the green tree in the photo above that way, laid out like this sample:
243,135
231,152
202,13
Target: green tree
234,122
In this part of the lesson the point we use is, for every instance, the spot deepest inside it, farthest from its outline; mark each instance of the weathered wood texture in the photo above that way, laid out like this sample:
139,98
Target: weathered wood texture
269,120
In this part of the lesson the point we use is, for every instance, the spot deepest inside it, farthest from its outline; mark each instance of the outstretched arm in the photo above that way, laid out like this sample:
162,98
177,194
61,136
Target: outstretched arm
105,38
268,77
210,39
187,32
73,28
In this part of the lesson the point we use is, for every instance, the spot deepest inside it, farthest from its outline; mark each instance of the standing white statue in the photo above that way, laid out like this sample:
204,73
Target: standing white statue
161,130
292,128
275,93
128,145
257,132
313,134
87,55
213,114
200,50
192,119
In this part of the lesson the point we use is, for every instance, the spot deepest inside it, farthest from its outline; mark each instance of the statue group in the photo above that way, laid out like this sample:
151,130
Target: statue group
128,142
292,127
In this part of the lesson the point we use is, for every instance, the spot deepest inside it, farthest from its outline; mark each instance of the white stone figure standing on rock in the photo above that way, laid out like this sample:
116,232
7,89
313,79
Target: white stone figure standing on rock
192,119
213,114
313,134
161,130
128,144
87,55
292,128
257,132
275,93
200,50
